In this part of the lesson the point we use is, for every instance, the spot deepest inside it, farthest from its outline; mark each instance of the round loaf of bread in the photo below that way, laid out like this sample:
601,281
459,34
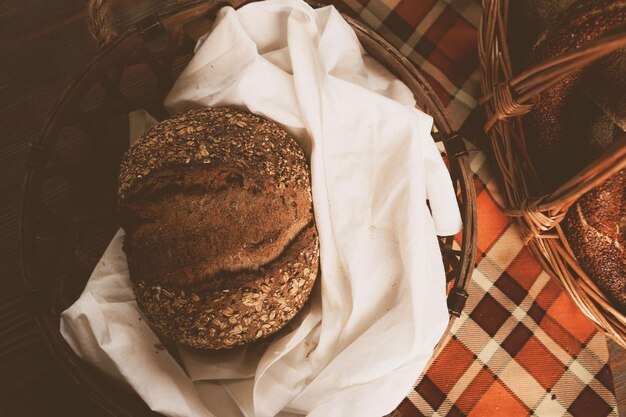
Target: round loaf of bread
220,238
596,231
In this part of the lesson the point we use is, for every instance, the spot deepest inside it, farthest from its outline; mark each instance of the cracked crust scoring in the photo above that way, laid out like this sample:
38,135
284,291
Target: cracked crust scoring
212,137
228,317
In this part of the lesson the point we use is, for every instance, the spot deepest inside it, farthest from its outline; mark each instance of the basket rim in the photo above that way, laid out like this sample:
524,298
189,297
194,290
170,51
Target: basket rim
45,298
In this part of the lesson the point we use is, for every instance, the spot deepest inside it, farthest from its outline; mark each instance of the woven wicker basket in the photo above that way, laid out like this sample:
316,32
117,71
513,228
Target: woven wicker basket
69,198
506,98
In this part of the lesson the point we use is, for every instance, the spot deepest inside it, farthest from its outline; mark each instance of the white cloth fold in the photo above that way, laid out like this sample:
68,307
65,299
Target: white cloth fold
379,308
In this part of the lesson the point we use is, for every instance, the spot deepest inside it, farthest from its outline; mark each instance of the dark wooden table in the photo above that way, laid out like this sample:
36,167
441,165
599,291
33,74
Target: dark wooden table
43,46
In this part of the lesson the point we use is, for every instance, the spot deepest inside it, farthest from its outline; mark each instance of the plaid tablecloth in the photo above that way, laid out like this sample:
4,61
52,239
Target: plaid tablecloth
521,347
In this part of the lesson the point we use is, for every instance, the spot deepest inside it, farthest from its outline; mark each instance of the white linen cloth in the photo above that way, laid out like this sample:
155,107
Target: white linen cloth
379,307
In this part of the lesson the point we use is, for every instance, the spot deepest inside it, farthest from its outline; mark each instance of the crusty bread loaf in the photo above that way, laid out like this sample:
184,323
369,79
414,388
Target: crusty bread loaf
566,132
596,227
220,239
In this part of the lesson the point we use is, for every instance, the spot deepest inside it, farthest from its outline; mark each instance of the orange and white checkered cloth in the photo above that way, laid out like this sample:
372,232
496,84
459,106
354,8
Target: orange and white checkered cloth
521,347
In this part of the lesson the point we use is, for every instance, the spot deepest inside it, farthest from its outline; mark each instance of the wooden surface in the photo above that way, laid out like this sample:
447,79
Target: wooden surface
43,46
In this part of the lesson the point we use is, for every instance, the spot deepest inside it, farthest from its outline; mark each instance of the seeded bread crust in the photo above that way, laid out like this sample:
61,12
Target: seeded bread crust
236,314
596,231
214,136
220,238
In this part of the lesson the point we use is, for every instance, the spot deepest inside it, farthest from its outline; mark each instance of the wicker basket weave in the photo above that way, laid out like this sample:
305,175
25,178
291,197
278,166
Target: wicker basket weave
68,209
506,98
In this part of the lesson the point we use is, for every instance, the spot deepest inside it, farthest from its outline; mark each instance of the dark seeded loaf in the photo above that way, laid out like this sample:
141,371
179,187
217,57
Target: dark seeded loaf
596,227
220,239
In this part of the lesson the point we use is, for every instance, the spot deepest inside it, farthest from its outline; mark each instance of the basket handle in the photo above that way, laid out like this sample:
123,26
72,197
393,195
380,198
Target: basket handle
100,22
547,211
100,17
515,96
